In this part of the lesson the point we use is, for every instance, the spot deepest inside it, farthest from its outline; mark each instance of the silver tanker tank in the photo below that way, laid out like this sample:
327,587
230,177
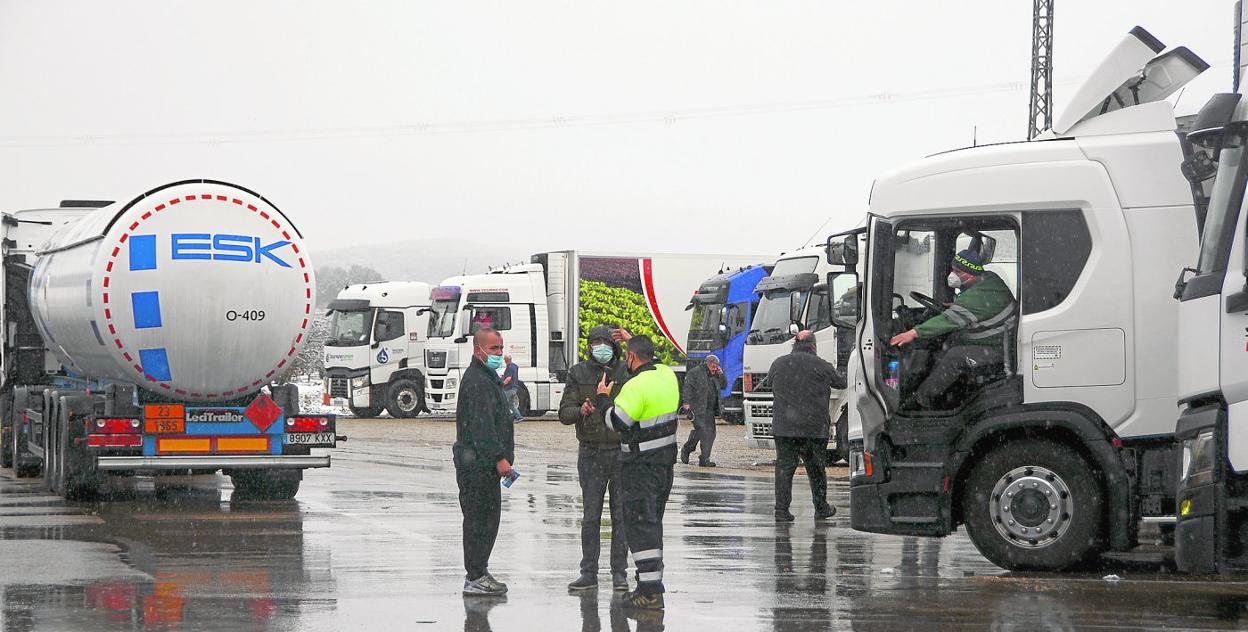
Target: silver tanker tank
197,290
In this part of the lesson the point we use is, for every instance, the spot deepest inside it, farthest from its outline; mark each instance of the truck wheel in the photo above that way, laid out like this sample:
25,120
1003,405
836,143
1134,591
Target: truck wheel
842,437
261,485
366,413
522,399
1034,505
405,399
74,478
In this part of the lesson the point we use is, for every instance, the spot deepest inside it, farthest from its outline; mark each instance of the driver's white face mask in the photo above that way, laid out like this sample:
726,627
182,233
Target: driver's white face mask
954,280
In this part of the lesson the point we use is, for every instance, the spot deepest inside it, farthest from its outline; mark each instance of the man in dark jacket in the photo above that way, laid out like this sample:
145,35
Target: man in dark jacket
801,383
701,395
597,463
484,451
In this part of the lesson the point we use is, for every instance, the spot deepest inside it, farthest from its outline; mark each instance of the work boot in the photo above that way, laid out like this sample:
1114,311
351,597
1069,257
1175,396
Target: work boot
825,513
587,581
639,601
619,581
706,463
684,456
783,515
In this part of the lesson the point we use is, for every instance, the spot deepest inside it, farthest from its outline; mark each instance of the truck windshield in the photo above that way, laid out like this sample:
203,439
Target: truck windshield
771,321
706,317
442,317
350,329
1224,203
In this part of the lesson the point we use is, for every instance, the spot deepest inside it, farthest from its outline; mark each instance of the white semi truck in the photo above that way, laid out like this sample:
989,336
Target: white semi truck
1211,535
545,308
794,297
1058,452
375,352
140,336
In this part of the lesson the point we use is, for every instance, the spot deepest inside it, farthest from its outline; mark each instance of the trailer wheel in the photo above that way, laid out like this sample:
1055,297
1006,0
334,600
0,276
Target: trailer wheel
262,485
1034,505
74,479
405,398
368,412
842,438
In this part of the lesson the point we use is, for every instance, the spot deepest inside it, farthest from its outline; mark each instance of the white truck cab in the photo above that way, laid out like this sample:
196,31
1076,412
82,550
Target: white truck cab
792,298
1054,452
374,355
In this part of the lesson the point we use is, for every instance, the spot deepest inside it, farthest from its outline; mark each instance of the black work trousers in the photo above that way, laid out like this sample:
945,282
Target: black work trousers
955,363
481,501
598,468
646,487
813,453
703,432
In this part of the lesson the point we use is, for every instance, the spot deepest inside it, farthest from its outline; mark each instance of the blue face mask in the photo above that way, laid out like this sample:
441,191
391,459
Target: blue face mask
494,362
603,353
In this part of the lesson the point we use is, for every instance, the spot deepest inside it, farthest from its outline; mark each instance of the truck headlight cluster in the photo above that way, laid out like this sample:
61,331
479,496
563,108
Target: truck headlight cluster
359,382
451,383
1199,458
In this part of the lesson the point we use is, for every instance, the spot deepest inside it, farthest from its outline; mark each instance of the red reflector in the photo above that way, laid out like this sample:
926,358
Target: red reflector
747,383
115,426
866,461
1116,442
308,424
114,441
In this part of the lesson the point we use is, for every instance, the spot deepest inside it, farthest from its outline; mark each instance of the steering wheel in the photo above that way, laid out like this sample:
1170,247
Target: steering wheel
928,302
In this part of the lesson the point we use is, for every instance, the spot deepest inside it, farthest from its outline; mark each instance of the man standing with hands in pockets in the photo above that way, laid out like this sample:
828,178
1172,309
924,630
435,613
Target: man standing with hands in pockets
484,451
644,413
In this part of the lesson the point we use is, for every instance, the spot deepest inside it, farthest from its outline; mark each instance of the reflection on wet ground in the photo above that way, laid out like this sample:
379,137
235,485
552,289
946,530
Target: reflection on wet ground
373,544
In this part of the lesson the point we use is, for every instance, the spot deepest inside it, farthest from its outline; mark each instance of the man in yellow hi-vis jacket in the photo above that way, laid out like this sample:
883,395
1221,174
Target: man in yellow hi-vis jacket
644,413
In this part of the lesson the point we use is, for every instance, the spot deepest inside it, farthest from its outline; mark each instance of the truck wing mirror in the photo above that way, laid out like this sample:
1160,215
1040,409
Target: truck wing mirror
795,307
845,294
842,249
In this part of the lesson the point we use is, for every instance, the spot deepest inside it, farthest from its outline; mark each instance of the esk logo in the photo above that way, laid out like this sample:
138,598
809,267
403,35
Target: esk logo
224,247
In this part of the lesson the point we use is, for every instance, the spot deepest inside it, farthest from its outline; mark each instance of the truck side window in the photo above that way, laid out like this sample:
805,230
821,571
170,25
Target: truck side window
1054,250
736,319
820,316
389,326
498,318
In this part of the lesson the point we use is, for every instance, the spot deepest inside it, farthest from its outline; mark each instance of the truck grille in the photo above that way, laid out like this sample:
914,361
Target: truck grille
339,387
435,359
759,383
760,430
761,410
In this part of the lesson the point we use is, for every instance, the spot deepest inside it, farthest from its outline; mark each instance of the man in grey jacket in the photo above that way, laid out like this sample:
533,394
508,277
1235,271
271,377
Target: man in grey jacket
597,463
701,399
801,384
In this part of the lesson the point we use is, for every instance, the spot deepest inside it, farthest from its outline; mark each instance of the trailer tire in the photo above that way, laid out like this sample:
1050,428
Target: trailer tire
368,412
524,402
1048,490
75,479
261,485
405,398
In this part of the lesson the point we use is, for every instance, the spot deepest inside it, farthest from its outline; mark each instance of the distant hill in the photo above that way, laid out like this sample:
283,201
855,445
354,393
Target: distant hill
426,260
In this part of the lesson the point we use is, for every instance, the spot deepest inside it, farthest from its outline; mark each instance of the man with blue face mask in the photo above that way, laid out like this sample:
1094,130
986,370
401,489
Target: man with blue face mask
597,462
484,451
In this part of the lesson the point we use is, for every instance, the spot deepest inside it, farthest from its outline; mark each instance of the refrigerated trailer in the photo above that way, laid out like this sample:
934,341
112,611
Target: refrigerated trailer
1059,451
147,336
545,308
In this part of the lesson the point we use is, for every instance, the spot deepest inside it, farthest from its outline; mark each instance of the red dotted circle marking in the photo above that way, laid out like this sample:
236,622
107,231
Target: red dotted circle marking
108,312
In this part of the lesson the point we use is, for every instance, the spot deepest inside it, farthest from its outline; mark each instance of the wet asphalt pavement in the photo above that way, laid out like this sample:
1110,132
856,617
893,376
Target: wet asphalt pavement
374,544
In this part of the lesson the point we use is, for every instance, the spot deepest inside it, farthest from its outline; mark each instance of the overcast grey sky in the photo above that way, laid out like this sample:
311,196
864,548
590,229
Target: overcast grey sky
721,125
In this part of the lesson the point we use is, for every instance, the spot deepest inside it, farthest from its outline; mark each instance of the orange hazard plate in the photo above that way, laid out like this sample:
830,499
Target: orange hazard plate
164,418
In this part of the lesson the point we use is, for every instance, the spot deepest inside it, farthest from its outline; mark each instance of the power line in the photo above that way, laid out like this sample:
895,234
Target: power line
500,125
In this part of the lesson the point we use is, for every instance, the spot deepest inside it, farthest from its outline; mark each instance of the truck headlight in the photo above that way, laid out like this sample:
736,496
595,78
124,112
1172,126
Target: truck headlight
1199,458
451,383
359,382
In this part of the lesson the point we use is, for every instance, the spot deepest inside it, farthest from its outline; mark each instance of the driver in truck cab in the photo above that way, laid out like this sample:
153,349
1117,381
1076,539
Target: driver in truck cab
977,321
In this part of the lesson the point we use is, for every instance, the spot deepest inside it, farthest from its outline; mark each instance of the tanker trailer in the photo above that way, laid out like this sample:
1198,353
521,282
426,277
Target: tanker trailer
145,337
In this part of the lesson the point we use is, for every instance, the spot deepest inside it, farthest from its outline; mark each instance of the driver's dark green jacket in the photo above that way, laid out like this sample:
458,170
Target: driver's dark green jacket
979,315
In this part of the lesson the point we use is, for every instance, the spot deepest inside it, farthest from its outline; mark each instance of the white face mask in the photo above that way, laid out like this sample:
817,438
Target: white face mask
953,280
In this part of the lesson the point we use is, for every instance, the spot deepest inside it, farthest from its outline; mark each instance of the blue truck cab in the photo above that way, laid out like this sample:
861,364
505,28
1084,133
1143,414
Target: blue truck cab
723,307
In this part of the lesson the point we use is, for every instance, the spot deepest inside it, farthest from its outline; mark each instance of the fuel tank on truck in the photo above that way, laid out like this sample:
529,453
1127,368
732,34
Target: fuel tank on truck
197,290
